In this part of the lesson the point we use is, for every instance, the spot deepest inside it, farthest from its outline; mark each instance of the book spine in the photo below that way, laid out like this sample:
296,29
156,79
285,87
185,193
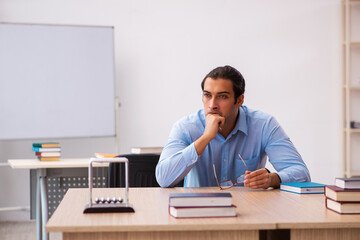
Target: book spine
49,158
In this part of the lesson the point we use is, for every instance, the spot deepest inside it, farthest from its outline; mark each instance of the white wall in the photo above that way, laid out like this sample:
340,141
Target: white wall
289,52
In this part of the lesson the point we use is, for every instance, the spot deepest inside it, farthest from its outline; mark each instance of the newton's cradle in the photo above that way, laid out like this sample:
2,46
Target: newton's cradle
109,204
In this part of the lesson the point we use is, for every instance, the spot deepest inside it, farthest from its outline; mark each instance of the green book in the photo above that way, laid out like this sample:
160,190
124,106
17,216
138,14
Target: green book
47,145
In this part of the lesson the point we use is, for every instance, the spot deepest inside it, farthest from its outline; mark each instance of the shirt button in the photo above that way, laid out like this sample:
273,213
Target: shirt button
224,160
193,160
223,178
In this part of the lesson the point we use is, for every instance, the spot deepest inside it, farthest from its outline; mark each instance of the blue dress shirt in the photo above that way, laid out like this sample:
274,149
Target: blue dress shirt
256,137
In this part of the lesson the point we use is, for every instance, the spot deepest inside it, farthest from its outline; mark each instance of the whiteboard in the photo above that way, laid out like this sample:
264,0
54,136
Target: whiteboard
56,81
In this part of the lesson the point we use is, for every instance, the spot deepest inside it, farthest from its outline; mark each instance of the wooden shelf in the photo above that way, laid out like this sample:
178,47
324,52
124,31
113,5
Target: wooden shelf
354,44
352,87
351,90
353,130
355,174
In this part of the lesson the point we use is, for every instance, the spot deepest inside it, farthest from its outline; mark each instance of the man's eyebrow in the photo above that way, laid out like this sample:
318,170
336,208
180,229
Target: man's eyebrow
222,92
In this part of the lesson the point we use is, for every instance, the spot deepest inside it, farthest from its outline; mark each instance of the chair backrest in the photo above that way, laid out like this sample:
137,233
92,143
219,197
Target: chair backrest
141,171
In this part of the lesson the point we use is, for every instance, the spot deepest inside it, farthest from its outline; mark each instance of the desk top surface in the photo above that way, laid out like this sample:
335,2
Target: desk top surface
62,163
256,209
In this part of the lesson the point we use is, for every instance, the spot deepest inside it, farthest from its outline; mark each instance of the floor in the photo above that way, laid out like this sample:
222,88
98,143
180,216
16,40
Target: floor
22,231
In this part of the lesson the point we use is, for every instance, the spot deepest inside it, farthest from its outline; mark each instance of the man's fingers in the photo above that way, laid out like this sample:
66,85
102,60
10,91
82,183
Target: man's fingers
222,122
262,183
257,179
256,173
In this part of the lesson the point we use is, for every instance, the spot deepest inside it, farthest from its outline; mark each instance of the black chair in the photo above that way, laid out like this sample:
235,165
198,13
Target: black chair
141,171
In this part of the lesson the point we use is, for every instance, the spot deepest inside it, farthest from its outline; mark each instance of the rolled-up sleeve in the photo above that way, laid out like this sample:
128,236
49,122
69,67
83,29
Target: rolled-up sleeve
283,155
177,158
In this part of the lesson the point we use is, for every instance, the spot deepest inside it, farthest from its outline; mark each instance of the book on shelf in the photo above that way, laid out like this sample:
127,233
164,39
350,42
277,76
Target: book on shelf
303,187
342,195
348,183
200,199
191,212
39,149
139,150
49,158
105,155
47,154
47,145
355,124
343,207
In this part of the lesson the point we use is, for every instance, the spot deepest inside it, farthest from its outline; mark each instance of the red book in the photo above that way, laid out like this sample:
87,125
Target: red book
342,195
343,207
200,199
47,154
191,212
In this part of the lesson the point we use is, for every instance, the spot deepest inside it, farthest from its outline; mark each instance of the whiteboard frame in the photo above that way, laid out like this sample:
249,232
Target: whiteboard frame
115,102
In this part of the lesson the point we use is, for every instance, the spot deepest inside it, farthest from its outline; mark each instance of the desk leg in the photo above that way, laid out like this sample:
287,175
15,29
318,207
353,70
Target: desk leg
44,203
38,207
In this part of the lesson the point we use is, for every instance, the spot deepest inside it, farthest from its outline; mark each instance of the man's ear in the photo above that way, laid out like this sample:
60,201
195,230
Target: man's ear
240,100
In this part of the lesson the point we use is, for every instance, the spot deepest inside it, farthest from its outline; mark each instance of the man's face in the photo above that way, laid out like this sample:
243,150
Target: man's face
219,98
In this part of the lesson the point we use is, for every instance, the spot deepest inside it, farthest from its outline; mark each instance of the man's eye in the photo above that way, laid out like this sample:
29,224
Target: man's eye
223,96
207,95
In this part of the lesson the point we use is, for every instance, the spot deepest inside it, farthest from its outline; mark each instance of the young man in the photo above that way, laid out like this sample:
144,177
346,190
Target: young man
230,140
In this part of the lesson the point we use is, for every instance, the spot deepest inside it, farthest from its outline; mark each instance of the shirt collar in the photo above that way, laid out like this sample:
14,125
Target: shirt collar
241,122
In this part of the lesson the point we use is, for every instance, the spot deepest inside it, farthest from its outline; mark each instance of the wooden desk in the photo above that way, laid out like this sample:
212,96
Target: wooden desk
44,170
305,215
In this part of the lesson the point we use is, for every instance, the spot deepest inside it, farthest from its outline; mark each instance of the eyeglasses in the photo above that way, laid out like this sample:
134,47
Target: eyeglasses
228,184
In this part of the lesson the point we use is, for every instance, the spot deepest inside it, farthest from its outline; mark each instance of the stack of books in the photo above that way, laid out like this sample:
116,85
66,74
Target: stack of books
190,205
344,196
48,151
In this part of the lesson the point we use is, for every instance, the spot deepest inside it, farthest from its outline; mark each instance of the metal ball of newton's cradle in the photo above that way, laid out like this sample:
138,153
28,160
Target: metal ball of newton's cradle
108,200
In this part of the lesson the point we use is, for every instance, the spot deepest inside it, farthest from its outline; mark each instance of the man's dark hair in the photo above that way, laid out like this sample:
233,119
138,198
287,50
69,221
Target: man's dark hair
229,73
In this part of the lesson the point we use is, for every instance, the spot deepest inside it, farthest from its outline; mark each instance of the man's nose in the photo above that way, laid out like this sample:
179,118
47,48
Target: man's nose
213,103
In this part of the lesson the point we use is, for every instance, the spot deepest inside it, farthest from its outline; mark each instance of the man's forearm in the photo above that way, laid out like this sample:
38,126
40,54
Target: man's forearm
201,143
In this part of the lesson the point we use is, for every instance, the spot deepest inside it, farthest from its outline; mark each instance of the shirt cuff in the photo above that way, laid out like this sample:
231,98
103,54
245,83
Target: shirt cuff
191,154
284,178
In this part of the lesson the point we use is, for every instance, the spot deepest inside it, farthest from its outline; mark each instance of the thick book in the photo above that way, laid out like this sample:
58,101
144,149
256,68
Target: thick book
348,183
47,154
45,159
200,199
192,212
341,194
39,149
46,144
139,150
343,207
302,187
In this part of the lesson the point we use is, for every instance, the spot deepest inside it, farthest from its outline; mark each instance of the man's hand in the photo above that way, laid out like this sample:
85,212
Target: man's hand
213,123
261,179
